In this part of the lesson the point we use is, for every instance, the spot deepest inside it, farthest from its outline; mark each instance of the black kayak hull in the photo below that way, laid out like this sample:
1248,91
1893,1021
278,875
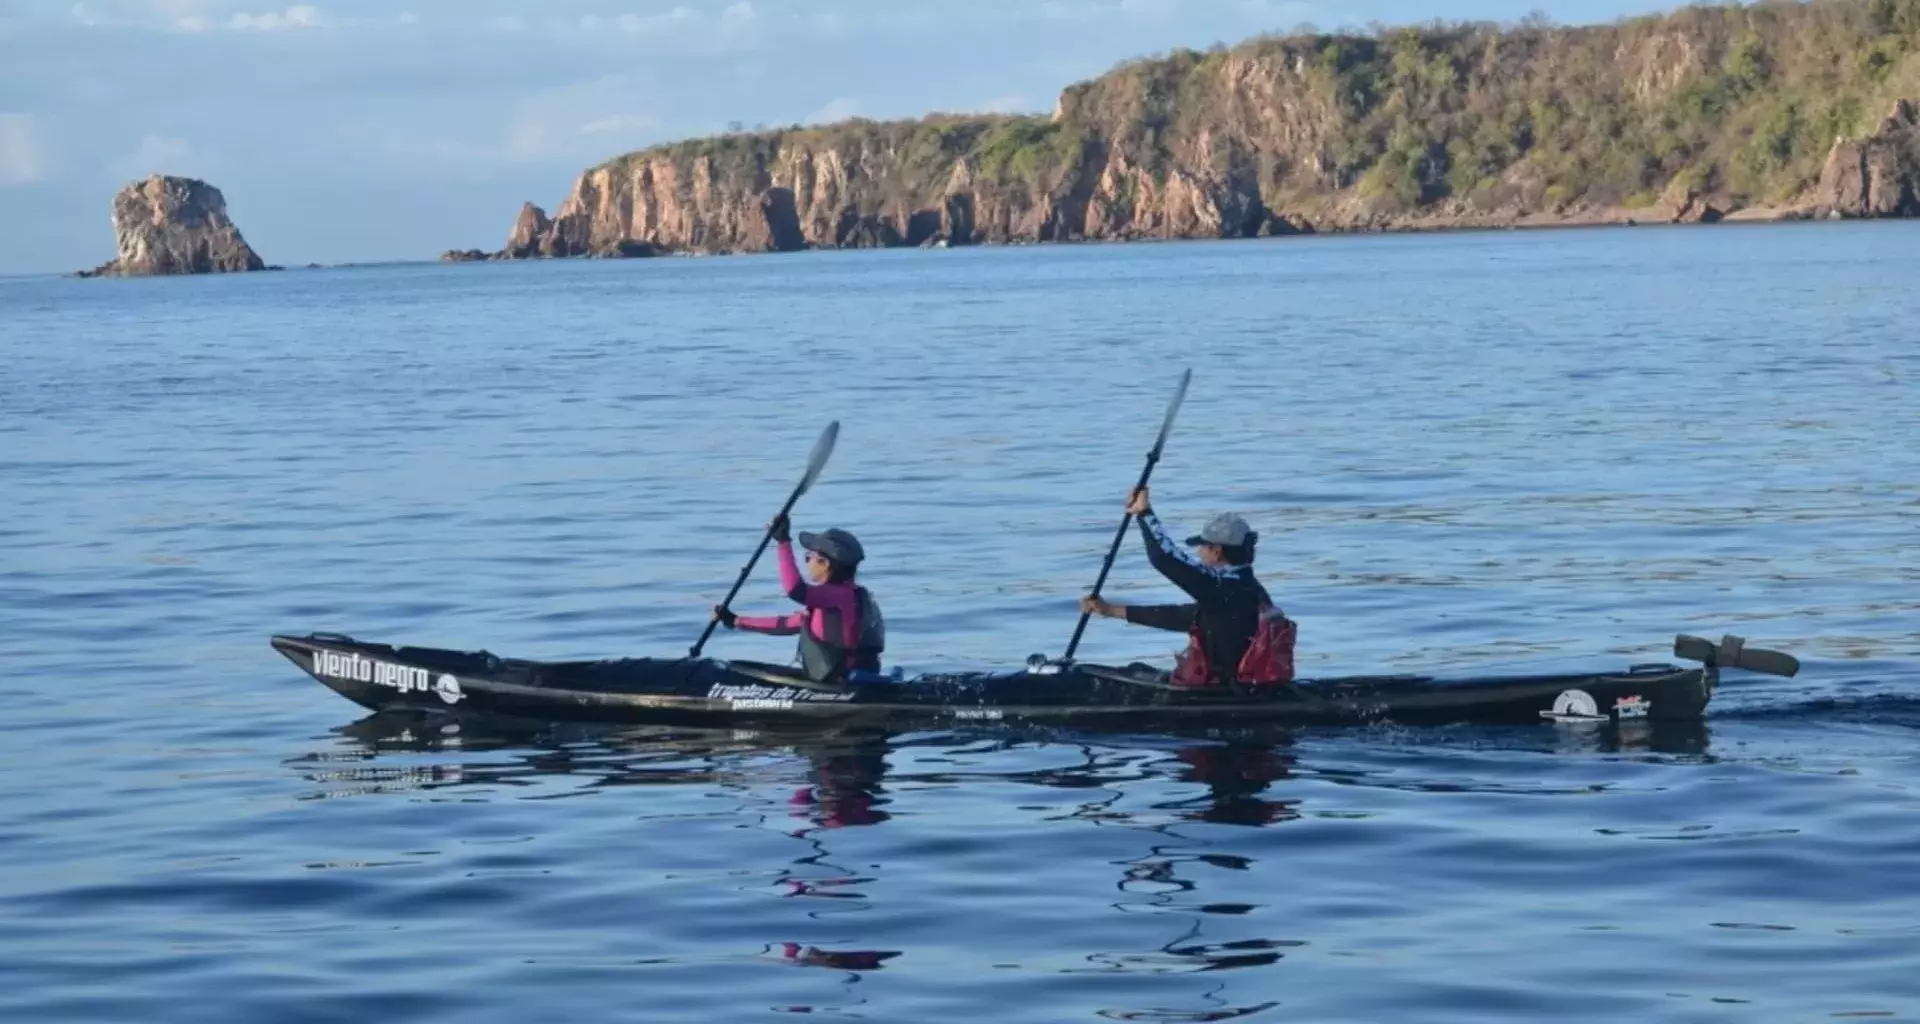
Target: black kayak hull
713,692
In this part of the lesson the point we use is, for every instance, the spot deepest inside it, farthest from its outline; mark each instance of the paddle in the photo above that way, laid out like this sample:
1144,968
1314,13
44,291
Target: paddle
1153,457
1733,652
822,451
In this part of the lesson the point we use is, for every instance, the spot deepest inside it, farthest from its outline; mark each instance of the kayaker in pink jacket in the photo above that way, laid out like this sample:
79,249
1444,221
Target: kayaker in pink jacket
839,624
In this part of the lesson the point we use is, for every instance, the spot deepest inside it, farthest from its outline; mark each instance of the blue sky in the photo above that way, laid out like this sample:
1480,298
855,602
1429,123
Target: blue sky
392,129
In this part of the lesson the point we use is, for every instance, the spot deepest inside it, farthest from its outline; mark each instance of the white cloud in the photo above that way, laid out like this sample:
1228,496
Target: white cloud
542,131
838,110
530,138
830,23
156,154
173,15
177,15
647,24
23,155
295,17
735,27
192,16
578,122
414,147
173,8
1098,10
1276,12
195,17
739,20
618,123
1005,105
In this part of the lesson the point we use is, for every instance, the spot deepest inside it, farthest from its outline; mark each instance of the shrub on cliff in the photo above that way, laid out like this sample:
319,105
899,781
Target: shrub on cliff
1740,102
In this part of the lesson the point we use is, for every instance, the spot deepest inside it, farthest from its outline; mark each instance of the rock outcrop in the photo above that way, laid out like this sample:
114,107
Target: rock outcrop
1684,203
529,232
166,225
1878,176
1705,114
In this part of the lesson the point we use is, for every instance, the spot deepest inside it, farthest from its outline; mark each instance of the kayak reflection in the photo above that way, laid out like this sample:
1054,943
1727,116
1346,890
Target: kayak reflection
1235,775
842,960
843,783
1188,881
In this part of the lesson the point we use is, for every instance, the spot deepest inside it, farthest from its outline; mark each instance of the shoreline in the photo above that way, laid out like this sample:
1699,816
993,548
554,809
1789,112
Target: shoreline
1610,219
1739,218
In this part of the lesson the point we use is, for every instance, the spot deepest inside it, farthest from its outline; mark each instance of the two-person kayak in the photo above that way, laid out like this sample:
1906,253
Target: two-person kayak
709,691
1238,668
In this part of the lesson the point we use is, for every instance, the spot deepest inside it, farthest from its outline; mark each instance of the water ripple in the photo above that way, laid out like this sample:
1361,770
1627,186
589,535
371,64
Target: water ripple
1472,452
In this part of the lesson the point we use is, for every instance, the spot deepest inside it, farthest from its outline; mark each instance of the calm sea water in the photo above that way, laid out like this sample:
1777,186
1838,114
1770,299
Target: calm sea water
1464,452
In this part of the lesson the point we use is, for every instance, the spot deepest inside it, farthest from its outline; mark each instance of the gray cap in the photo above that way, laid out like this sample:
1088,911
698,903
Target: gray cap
1225,529
839,546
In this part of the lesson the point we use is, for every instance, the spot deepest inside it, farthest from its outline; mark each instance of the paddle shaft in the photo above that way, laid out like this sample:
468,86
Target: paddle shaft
817,461
765,539
1119,537
1153,459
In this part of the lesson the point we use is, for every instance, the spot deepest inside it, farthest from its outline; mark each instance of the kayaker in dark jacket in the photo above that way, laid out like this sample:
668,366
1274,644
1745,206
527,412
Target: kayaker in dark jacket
839,624
1236,635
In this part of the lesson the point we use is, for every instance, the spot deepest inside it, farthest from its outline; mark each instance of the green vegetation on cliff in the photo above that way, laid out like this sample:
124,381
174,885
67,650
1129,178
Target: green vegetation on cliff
899,163
1741,103
1742,100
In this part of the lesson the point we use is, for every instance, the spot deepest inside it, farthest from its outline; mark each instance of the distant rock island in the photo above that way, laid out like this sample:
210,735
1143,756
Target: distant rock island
167,225
1763,112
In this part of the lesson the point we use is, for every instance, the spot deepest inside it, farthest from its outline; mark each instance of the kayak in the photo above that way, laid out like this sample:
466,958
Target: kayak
717,692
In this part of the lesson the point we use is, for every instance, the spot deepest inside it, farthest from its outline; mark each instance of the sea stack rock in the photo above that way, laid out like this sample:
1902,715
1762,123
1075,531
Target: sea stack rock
166,225
531,232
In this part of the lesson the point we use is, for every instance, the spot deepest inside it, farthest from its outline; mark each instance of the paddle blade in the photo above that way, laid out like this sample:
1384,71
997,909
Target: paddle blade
822,451
1772,663
1733,652
1173,410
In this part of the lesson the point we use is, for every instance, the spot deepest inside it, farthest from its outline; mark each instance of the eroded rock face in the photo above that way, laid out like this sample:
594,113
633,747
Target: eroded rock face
1878,176
1282,225
1271,138
166,225
1094,172
1683,203
530,231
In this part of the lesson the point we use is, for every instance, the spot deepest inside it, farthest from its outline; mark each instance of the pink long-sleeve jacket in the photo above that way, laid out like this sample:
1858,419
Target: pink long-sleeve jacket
816,600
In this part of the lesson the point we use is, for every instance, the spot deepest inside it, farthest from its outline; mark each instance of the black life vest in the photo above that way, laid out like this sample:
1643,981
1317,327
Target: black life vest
827,660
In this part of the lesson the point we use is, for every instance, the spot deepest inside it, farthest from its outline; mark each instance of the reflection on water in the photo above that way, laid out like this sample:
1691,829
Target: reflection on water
846,769
845,777
1235,774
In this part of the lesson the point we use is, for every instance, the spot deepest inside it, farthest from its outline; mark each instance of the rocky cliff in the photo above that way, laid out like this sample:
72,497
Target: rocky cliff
169,225
1876,176
1705,113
